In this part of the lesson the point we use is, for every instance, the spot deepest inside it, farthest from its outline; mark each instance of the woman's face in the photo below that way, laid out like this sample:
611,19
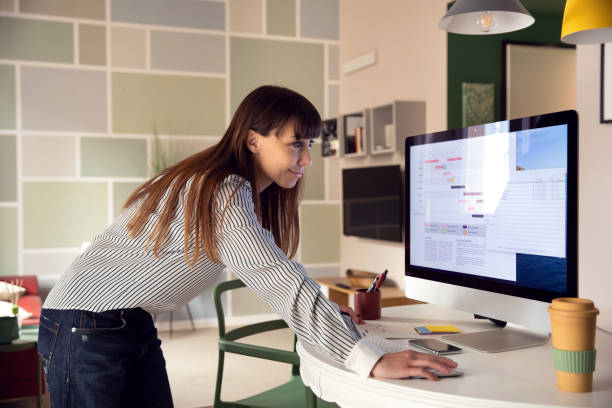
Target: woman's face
279,158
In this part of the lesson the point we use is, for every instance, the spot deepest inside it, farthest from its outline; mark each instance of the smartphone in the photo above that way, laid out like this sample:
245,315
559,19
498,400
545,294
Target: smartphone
434,346
454,373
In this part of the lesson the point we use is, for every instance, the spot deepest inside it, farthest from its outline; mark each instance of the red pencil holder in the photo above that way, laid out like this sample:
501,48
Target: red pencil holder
367,304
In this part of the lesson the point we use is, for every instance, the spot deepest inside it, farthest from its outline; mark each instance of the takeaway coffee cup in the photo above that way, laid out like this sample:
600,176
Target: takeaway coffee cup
573,335
367,304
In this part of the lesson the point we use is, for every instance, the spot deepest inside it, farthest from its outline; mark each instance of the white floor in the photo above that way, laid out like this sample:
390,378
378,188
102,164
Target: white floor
191,361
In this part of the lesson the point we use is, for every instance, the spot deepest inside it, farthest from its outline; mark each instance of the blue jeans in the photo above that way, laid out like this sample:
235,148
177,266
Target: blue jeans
108,359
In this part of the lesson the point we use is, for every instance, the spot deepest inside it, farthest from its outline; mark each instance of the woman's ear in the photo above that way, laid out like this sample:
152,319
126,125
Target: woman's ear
253,141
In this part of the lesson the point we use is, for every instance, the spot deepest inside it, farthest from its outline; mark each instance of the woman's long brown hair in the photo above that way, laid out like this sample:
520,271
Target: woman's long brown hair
264,110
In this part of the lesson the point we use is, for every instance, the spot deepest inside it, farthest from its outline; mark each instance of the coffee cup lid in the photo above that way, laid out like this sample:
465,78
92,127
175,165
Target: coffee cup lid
572,304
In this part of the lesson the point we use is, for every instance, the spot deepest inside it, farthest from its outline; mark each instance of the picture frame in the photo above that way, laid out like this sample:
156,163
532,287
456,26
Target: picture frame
606,83
478,103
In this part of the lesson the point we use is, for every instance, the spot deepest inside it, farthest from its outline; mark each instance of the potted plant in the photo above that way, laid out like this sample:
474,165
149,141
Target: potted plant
9,323
162,155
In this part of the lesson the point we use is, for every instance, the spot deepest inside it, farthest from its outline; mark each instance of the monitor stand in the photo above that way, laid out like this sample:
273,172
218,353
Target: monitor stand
495,341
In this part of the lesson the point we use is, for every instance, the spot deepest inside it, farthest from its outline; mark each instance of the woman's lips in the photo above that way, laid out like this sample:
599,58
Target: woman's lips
297,174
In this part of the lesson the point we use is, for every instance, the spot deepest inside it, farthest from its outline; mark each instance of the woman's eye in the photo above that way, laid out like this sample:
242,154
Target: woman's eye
300,144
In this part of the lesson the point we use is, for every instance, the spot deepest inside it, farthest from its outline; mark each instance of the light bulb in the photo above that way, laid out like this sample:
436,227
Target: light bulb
486,21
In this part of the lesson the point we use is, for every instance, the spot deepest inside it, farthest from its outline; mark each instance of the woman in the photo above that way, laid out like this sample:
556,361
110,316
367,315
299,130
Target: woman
233,205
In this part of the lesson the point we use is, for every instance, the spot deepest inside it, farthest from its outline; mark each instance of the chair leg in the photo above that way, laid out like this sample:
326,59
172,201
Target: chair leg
311,399
38,380
217,402
171,324
189,314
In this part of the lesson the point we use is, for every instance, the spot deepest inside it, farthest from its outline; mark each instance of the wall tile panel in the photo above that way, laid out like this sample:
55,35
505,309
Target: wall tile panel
48,264
333,62
7,97
8,168
187,52
92,44
246,16
281,17
315,175
178,13
7,5
128,47
171,104
183,148
93,9
319,19
113,157
320,233
333,100
36,40
53,156
8,241
255,62
63,99
62,214
121,192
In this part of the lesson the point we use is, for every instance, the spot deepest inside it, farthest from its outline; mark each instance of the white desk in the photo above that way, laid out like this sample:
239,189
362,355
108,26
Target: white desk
520,378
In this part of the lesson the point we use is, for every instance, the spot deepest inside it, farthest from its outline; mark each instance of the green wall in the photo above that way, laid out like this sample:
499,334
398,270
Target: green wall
478,58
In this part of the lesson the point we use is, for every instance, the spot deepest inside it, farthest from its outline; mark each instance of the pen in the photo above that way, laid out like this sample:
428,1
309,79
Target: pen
383,276
373,285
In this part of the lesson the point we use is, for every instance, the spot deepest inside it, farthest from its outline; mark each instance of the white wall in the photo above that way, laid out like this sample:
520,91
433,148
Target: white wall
595,187
411,65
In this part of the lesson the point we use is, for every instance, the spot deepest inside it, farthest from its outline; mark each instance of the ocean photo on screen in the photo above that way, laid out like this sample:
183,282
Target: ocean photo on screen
542,148
541,272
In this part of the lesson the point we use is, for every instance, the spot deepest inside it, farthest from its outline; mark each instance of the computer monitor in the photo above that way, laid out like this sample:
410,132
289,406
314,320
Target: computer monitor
491,223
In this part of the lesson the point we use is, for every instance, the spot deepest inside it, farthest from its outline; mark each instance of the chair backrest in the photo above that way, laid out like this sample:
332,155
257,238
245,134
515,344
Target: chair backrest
227,339
217,292
228,343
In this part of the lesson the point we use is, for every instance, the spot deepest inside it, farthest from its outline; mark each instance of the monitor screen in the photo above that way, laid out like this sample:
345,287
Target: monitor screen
494,207
372,202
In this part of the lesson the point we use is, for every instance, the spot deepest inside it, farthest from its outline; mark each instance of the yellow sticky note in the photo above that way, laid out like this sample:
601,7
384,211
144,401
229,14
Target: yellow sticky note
442,329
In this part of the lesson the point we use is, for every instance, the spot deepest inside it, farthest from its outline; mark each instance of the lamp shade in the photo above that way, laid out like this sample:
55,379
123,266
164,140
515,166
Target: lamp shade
587,22
485,17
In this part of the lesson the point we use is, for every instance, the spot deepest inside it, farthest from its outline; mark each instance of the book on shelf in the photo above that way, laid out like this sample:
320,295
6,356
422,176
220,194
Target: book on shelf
359,139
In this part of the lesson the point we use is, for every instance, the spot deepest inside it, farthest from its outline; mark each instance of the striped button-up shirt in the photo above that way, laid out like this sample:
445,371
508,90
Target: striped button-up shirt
116,272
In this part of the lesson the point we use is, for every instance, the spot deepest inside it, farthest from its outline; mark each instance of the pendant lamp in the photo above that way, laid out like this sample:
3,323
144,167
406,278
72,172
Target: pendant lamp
587,22
483,17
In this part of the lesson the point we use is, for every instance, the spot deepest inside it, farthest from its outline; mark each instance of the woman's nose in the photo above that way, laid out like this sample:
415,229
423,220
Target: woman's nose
305,159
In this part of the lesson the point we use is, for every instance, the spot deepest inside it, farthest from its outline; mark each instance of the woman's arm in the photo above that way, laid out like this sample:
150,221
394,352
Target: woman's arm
251,253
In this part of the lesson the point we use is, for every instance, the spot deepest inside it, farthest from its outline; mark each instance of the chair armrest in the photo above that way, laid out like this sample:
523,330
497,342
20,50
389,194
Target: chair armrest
229,343
255,328
266,353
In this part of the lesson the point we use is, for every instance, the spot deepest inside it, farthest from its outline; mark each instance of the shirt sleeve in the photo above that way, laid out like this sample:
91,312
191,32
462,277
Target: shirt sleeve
251,253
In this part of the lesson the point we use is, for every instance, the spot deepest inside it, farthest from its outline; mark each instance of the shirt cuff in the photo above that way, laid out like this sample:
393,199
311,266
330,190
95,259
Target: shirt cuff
363,357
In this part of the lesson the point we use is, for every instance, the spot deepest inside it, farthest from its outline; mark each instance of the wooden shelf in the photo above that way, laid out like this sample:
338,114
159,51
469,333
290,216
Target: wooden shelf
391,123
391,296
354,134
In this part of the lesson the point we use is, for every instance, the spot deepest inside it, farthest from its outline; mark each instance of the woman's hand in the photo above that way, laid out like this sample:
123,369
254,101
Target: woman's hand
349,311
410,363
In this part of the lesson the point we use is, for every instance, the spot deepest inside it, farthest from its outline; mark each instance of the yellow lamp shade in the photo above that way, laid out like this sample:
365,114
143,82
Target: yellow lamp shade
587,22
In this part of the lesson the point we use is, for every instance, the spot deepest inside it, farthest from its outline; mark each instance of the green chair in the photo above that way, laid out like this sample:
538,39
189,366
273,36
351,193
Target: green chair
290,394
